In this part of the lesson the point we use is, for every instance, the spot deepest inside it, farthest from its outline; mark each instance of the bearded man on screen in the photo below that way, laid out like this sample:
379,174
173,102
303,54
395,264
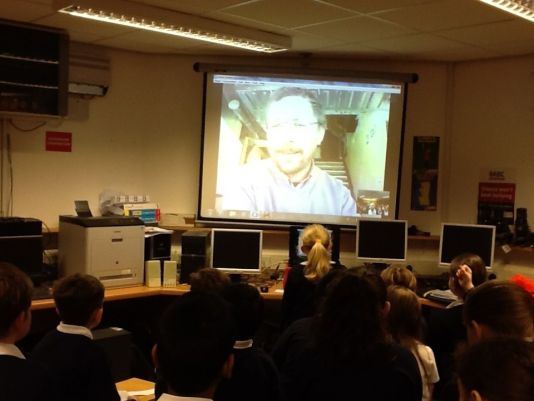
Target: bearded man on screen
289,181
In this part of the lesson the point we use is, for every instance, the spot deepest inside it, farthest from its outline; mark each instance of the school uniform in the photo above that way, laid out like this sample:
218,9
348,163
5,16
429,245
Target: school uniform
254,376
446,332
390,373
299,297
77,364
21,379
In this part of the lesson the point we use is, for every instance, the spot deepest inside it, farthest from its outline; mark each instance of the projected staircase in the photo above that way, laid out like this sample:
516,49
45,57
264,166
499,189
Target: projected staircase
335,169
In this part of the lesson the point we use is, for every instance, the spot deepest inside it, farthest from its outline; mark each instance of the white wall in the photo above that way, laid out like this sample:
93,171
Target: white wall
143,137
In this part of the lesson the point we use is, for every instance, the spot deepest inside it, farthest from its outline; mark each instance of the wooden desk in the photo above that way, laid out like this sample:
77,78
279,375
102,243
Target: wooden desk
116,294
135,384
141,291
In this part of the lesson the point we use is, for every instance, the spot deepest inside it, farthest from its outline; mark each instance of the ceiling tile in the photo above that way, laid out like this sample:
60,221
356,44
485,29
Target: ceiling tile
488,34
24,11
357,50
305,41
192,6
437,16
411,44
282,12
373,6
357,29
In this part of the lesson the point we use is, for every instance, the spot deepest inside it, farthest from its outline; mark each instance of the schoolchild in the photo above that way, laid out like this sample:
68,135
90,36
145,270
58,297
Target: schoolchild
78,365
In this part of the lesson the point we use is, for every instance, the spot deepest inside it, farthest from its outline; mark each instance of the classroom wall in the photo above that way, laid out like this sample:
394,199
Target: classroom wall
143,137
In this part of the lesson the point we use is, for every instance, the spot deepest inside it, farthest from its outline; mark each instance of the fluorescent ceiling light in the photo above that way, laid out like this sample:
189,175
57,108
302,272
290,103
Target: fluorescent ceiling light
521,8
161,20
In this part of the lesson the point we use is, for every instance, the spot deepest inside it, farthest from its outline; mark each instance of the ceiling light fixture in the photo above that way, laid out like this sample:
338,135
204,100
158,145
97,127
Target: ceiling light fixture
521,8
161,20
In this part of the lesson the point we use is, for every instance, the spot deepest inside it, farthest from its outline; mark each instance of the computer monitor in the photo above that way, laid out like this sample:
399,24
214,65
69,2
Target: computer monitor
296,256
381,241
236,251
456,239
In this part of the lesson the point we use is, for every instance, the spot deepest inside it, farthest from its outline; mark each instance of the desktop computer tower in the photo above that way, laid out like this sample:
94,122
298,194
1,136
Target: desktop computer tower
195,245
21,244
158,247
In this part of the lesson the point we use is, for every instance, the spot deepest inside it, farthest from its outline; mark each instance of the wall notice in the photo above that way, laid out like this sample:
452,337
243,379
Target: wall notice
58,141
496,203
425,172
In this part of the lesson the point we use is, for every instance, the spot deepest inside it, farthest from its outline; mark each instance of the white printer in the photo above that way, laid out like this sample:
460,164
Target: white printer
109,248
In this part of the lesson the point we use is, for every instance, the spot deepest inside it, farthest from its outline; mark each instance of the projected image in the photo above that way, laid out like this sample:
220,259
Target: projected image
296,149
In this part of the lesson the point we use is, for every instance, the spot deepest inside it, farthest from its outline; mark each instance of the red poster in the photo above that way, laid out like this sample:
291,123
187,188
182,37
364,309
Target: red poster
496,202
58,141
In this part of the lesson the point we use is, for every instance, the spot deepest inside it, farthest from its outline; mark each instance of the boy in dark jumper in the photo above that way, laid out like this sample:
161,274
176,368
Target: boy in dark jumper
254,376
78,365
20,379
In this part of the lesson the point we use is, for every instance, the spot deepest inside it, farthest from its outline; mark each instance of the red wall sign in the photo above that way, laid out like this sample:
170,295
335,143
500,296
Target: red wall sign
58,141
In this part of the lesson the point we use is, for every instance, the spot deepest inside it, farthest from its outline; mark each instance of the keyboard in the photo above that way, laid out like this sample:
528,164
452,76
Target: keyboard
441,296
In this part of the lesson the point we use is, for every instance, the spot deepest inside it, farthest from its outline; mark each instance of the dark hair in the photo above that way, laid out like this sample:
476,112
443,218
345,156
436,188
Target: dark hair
309,95
209,279
504,307
77,297
15,295
399,275
247,308
500,369
196,336
352,323
475,262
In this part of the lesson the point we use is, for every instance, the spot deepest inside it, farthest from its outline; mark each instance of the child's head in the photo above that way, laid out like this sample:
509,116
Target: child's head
79,299
399,275
209,279
499,369
499,308
478,269
352,319
247,308
15,301
404,317
195,342
316,245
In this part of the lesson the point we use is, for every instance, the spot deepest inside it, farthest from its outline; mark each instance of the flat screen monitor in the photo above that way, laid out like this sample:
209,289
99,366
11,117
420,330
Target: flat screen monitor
456,239
381,241
236,251
296,256
285,149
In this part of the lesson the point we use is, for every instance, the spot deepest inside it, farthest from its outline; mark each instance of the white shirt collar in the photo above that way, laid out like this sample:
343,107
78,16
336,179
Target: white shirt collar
243,344
168,397
73,329
11,350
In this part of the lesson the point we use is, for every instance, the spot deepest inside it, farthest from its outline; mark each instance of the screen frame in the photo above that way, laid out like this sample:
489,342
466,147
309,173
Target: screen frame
294,236
349,76
442,238
381,259
255,270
